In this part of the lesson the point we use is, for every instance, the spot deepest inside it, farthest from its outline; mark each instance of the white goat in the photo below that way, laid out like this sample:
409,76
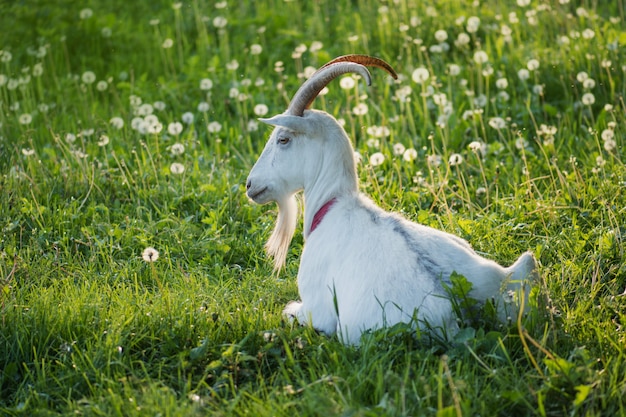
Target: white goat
361,268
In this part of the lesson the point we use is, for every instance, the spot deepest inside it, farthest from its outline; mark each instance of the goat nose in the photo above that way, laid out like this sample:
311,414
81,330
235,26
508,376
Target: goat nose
248,184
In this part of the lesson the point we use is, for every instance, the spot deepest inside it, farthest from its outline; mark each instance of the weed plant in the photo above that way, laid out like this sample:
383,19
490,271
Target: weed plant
132,276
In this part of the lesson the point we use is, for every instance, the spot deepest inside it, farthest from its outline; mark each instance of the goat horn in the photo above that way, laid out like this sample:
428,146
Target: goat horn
344,64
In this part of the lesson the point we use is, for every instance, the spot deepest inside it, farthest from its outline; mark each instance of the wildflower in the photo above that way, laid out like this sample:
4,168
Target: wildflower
159,105
144,110
454,70
37,69
441,35
25,119
376,159
253,125
220,22
588,99
582,76
610,145
206,84
589,83
480,57
478,147
117,122
150,254
455,159
502,83
43,107
398,149
88,77
409,155
588,34
607,134
360,109
6,56
434,160
106,32
175,128
440,99
70,138
187,118
104,140
473,23
85,13
102,85
203,106
135,101
177,149
538,89
523,74
420,75
214,127
532,64
256,49
347,83
497,123
167,43
177,168
462,40
523,3
521,143
260,109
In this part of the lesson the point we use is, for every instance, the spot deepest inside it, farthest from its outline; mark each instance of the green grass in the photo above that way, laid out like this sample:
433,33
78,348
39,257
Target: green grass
87,327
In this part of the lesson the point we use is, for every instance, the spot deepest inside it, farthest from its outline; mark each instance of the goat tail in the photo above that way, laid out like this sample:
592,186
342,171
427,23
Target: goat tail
278,243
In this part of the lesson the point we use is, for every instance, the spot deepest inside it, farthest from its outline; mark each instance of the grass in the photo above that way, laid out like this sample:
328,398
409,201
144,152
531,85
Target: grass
90,328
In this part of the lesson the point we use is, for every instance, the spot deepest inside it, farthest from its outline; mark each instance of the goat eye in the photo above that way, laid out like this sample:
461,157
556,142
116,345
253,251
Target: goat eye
283,140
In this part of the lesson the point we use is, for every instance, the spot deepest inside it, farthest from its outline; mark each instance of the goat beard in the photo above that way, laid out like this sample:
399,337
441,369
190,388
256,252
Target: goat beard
278,243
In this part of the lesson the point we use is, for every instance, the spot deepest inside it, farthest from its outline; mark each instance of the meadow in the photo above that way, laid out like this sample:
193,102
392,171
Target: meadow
132,274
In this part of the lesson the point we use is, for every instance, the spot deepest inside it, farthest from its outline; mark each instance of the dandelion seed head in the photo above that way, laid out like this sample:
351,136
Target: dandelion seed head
214,127
103,141
502,83
117,122
497,123
175,128
256,49
588,99
607,134
88,77
177,168
532,64
455,159
481,57
523,74
434,160
260,109
206,84
220,22
187,118
376,159
398,149
102,85
203,106
85,13
420,75
473,23
409,155
167,43
150,254
441,35
25,119
454,70
360,109
610,145
347,83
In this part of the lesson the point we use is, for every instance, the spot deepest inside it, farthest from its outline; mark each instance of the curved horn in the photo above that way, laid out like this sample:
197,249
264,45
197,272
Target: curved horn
344,64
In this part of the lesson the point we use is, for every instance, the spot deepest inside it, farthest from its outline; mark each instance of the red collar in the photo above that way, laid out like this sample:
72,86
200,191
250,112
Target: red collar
319,216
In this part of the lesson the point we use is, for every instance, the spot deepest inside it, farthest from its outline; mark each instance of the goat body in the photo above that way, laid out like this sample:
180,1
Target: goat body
361,267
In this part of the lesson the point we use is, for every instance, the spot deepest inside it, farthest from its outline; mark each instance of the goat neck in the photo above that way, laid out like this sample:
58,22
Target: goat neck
331,176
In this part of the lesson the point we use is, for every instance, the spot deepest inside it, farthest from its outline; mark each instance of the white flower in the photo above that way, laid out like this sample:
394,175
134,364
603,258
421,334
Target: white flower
167,43
88,77
347,83
434,160
360,109
454,70
206,84
85,13
441,35
150,254
589,83
70,138
607,134
102,85
177,149
523,74
260,110
175,128
455,159
117,122
502,83
480,57
25,119
220,22
232,65
187,118
398,149
478,147
497,123
159,105
582,76
610,145
409,155
588,99
377,158
214,127
532,64
203,106
256,49
104,140
473,23
420,75
177,168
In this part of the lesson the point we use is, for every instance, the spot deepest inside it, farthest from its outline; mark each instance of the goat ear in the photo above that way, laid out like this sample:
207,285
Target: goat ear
296,124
